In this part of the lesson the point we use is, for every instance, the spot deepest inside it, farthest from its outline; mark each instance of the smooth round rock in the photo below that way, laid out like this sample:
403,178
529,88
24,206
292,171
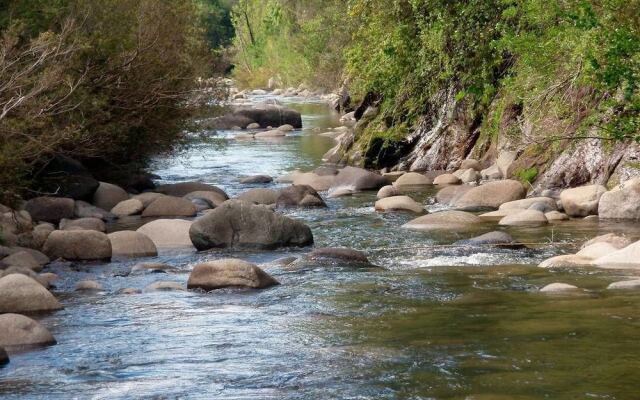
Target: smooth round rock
491,195
412,179
299,196
165,286
184,188
228,273
168,233
78,245
260,196
582,201
399,203
152,268
86,224
566,261
147,198
20,293
256,179
108,196
524,217
388,191
338,253
558,288
447,179
50,209
169,206
132,244
445,220
88,285
630,284
18,331
128,207
556,216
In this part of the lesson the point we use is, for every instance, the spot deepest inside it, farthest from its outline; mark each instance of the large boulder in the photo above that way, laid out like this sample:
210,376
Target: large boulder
626,258
66,177
355,179
299,196
128,207
582,201
411,179
621,203
80,245
169,206
88,224
82,209
132,244
237,223
491,195
524,217
184,188
18,331
470,164
228,273
168,233
108,196
260,196
20,293
445,220
50,209
399,203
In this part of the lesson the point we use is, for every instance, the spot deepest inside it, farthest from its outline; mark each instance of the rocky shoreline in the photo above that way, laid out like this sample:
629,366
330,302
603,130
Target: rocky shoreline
190,216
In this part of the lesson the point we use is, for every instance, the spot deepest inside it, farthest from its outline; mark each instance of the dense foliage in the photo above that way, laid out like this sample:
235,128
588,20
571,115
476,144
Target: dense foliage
576,61
104,80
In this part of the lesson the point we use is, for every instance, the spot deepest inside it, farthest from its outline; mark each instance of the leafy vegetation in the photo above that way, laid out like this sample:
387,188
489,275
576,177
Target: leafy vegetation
567,66
108,80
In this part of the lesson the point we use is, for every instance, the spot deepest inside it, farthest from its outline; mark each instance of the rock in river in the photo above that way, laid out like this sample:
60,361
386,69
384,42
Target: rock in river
50,209
623,202
132,244
352,180
19,293
445,220
228,273
491,195
168,233
237,223
582,201
399,203
108,196
18,331
169,206
299,196
78,245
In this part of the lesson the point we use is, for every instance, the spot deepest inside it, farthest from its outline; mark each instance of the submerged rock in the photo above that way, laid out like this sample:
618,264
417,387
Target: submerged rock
152,268
495,238
616,241
20,293
228,273
78,245
147,198
630,284
168,233
88,285
558,287
566,261
256,179
237,223
445,220
338,253
626,258
165,286
18,331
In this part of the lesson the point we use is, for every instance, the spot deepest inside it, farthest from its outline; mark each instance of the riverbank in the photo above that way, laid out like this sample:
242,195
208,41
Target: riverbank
424,317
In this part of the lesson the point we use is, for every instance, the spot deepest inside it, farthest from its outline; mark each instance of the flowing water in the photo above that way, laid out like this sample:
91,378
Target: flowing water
435,322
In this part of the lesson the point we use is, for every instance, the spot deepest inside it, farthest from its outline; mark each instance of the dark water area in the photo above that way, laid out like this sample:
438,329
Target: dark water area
434,322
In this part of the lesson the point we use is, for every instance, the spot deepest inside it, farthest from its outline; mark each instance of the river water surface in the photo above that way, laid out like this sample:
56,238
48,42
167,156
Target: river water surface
434,322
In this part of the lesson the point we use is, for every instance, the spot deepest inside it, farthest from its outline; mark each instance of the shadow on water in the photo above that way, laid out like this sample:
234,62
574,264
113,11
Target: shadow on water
436,322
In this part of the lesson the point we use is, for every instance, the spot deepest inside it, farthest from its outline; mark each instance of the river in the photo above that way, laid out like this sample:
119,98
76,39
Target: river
434,322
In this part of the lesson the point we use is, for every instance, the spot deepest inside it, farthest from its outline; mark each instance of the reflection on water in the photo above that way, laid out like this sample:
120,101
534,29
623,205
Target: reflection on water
437,322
